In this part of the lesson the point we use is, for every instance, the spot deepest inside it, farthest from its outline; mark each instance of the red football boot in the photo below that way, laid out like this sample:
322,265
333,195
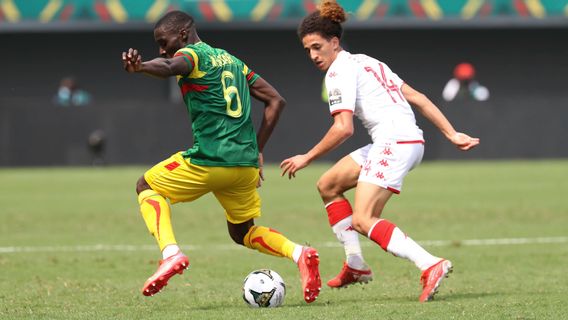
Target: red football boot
309,271
167,269
432,277
348,276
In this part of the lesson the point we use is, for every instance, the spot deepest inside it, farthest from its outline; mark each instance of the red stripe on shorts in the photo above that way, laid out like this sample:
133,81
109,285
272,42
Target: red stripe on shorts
171,166
393,190
410,142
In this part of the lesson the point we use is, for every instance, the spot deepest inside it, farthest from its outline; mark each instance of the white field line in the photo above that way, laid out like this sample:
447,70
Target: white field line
426,243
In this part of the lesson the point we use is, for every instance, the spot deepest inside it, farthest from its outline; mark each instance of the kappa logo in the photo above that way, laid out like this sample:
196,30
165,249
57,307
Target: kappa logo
380,175
332,74
387,151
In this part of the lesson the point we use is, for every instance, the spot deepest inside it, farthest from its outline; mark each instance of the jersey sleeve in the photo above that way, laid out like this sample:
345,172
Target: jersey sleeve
250,75
341,84
189,55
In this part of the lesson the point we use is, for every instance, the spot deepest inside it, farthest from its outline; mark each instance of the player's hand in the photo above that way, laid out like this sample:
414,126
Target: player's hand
293,165
260,173
464,142
132,60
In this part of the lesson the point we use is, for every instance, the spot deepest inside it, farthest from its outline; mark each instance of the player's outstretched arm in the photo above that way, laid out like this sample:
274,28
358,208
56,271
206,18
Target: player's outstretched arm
340,131
159,67
429,110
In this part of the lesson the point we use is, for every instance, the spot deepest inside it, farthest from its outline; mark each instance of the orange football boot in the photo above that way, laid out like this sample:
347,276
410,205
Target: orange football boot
167,269
309,271
348,276
432,277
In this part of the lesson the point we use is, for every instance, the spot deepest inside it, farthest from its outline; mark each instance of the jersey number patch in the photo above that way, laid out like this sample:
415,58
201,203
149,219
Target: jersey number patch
387,84
229,93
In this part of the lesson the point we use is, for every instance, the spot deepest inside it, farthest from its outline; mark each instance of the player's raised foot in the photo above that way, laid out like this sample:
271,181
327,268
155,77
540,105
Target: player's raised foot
309,271
432,277
348,276
167,269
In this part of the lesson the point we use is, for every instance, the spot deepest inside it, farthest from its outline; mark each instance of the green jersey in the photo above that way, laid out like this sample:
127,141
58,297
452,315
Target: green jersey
216,93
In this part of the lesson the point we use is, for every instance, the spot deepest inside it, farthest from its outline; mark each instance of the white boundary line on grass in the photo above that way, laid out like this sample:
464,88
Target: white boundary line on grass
426,243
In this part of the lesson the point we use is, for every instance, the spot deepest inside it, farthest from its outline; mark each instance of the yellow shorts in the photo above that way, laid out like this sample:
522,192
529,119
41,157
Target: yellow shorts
234,187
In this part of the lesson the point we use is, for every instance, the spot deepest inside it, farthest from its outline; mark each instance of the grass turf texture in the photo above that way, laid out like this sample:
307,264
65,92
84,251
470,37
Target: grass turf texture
440,201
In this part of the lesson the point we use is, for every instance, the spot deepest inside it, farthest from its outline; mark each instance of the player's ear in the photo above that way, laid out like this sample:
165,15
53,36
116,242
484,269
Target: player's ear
335,43
183,34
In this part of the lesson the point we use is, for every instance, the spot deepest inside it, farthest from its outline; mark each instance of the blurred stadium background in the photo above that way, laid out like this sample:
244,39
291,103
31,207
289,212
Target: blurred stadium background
519,49
72,244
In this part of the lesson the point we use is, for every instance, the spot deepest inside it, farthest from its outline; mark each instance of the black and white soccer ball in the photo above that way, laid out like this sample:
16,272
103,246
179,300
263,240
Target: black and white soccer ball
264,289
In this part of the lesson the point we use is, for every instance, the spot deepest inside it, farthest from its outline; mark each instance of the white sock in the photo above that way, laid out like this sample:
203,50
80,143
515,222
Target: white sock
297,253
170,250
402,246
349,238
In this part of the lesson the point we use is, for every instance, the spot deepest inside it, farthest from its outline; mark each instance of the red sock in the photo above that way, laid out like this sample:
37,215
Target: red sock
338,210
381,233
393,240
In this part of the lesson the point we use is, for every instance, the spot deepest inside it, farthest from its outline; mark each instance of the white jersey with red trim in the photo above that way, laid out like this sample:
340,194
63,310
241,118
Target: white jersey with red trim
368,88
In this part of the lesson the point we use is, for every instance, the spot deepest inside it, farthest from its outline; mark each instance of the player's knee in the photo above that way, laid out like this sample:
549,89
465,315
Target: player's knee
326,187
141,185
239,231
358,223
238,238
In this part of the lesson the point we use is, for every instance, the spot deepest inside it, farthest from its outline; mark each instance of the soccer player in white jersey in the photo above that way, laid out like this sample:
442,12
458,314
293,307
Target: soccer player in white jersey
365,87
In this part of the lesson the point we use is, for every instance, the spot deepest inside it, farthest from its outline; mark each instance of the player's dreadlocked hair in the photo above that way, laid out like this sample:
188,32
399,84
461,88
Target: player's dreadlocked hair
326,21
175,21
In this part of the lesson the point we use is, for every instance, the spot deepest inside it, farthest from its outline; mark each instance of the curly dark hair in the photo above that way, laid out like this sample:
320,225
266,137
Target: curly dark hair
326,21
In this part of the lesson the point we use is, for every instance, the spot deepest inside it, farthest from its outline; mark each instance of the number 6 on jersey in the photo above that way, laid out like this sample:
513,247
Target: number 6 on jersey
228,92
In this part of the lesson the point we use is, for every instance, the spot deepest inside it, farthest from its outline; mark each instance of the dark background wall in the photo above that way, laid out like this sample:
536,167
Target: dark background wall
523,68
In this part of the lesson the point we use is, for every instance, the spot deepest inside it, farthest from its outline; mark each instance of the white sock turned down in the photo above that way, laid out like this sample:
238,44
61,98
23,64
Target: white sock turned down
349,238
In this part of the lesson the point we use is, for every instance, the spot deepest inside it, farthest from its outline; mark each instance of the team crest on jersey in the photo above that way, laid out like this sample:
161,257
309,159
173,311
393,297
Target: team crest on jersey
334,96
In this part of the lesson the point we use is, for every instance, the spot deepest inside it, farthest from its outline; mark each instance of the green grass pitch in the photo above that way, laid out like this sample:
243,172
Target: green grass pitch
73,246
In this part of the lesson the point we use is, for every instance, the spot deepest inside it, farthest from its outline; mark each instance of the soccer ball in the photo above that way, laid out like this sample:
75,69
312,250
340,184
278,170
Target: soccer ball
264,289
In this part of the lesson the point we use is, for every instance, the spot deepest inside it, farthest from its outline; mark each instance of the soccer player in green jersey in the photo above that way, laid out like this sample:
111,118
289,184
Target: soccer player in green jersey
226,156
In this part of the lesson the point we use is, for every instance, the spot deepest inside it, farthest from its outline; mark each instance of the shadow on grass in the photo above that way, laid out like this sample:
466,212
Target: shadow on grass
213,307
325,302
456,297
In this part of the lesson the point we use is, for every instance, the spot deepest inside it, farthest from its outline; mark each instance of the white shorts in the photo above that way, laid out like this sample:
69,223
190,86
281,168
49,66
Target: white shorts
386,164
